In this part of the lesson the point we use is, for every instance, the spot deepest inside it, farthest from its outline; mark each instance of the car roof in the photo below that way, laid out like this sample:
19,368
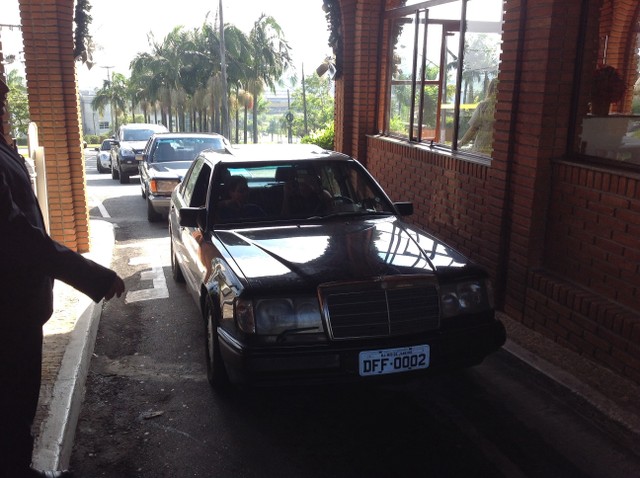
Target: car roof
272,153
187,135
144,126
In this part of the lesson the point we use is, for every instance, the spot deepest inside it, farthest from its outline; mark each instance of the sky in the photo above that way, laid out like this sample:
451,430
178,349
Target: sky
120,29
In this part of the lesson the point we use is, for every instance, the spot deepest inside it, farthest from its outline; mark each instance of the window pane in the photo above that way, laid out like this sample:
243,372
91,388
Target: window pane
481,64
401,76
431,35
431,79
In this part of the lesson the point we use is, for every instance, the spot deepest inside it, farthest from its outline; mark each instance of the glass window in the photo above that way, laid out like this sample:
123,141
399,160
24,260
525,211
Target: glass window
444,58
609,125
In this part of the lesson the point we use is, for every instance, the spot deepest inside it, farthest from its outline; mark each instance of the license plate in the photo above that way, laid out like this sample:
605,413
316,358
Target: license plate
403,359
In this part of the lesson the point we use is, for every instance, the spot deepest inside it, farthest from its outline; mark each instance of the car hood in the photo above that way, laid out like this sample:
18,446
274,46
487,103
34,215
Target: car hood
304,256
170,169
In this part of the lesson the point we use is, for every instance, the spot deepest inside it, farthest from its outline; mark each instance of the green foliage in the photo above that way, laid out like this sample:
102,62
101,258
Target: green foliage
323,138
319,104
18,102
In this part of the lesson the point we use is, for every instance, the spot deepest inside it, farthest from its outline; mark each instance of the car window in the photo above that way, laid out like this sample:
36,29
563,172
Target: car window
296,190
106,145
137,134
196,185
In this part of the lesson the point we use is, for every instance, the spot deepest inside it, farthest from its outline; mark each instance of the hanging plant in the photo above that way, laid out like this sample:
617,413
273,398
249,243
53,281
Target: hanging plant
608,87
83,44
333,15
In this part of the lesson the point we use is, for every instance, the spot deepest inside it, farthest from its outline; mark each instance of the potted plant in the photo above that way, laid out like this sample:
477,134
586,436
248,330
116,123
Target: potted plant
607,87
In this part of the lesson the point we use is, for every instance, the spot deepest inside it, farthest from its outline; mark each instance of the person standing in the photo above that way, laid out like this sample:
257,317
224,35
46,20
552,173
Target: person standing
480,131
30,260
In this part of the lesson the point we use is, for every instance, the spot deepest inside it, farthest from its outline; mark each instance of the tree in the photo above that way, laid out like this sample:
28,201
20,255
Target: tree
269,59
320,105
113,94
18,102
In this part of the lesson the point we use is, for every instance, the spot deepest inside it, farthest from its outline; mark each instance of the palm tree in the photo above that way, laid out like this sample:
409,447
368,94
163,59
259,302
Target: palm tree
114,94
163,65
269,59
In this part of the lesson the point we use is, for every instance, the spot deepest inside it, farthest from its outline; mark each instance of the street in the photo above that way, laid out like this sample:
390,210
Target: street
149,411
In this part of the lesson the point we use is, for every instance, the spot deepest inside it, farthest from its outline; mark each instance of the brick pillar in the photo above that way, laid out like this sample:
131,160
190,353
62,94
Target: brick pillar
357,87
47,29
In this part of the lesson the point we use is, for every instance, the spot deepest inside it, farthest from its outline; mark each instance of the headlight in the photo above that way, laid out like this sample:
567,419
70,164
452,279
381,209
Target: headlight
465,298
275,316
126,152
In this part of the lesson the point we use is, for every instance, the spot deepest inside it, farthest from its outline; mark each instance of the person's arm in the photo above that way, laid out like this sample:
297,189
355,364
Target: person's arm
474,126
24,246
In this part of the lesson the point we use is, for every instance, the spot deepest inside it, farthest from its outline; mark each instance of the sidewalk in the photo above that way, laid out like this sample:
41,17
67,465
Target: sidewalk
606,398
69,337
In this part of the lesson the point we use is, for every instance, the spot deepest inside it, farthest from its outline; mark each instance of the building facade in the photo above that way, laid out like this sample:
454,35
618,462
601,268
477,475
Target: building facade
551,206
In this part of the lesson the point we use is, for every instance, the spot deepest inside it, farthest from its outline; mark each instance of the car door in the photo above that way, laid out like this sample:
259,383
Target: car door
195,192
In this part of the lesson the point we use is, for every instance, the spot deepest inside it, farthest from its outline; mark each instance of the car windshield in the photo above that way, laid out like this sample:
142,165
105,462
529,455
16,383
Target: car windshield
106,146
183,149
295,191
137,134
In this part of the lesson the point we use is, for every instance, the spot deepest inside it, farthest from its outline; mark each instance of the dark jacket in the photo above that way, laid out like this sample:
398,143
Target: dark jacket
29,259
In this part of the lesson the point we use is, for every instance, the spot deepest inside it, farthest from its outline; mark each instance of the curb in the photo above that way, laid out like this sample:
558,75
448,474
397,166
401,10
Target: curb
54,444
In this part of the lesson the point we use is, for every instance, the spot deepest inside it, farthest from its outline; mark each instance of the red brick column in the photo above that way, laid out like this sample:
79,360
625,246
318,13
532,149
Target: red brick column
47,28
357,87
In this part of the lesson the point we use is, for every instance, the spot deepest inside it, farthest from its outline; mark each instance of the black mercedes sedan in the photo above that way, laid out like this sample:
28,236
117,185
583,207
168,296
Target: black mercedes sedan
304,271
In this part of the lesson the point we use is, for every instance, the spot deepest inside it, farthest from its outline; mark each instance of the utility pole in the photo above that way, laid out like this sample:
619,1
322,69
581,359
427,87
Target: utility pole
226,127
107,83
304,104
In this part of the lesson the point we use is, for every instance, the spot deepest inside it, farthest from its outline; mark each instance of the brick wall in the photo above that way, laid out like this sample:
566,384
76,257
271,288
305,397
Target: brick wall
559,238
449,195
47,28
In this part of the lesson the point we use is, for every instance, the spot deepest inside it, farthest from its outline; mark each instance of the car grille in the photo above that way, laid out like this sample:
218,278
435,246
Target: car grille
380,309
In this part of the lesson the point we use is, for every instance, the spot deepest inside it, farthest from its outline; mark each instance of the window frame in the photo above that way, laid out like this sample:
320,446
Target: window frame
419,80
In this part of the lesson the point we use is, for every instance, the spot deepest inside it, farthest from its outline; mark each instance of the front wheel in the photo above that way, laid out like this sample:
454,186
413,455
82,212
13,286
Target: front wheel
124,178
216,372
176,272
152,215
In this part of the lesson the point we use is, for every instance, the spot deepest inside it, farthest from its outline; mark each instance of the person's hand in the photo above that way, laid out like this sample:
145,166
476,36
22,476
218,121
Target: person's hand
117,288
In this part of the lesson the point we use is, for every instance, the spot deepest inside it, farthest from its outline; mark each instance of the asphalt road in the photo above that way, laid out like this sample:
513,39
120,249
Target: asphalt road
149,412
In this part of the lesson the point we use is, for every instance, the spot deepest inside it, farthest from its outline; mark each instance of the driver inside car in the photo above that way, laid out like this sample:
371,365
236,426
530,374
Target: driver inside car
305,196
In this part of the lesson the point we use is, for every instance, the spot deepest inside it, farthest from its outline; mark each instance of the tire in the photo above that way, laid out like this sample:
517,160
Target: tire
99,166
216,371
124,178
176,272
152,215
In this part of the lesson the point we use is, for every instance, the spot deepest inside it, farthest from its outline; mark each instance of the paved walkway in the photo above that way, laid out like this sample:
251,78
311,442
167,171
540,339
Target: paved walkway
602,395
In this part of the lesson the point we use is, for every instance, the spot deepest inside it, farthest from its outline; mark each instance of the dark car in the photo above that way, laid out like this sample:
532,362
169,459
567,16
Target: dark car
164,162
103,158
129,141
304,271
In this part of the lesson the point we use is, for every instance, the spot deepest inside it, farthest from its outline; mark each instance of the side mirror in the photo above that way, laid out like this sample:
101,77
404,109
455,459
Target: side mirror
404,208
141,157
96,149
193,217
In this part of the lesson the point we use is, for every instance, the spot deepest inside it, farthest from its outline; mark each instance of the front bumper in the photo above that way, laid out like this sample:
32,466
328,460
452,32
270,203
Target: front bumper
129,165
339,362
